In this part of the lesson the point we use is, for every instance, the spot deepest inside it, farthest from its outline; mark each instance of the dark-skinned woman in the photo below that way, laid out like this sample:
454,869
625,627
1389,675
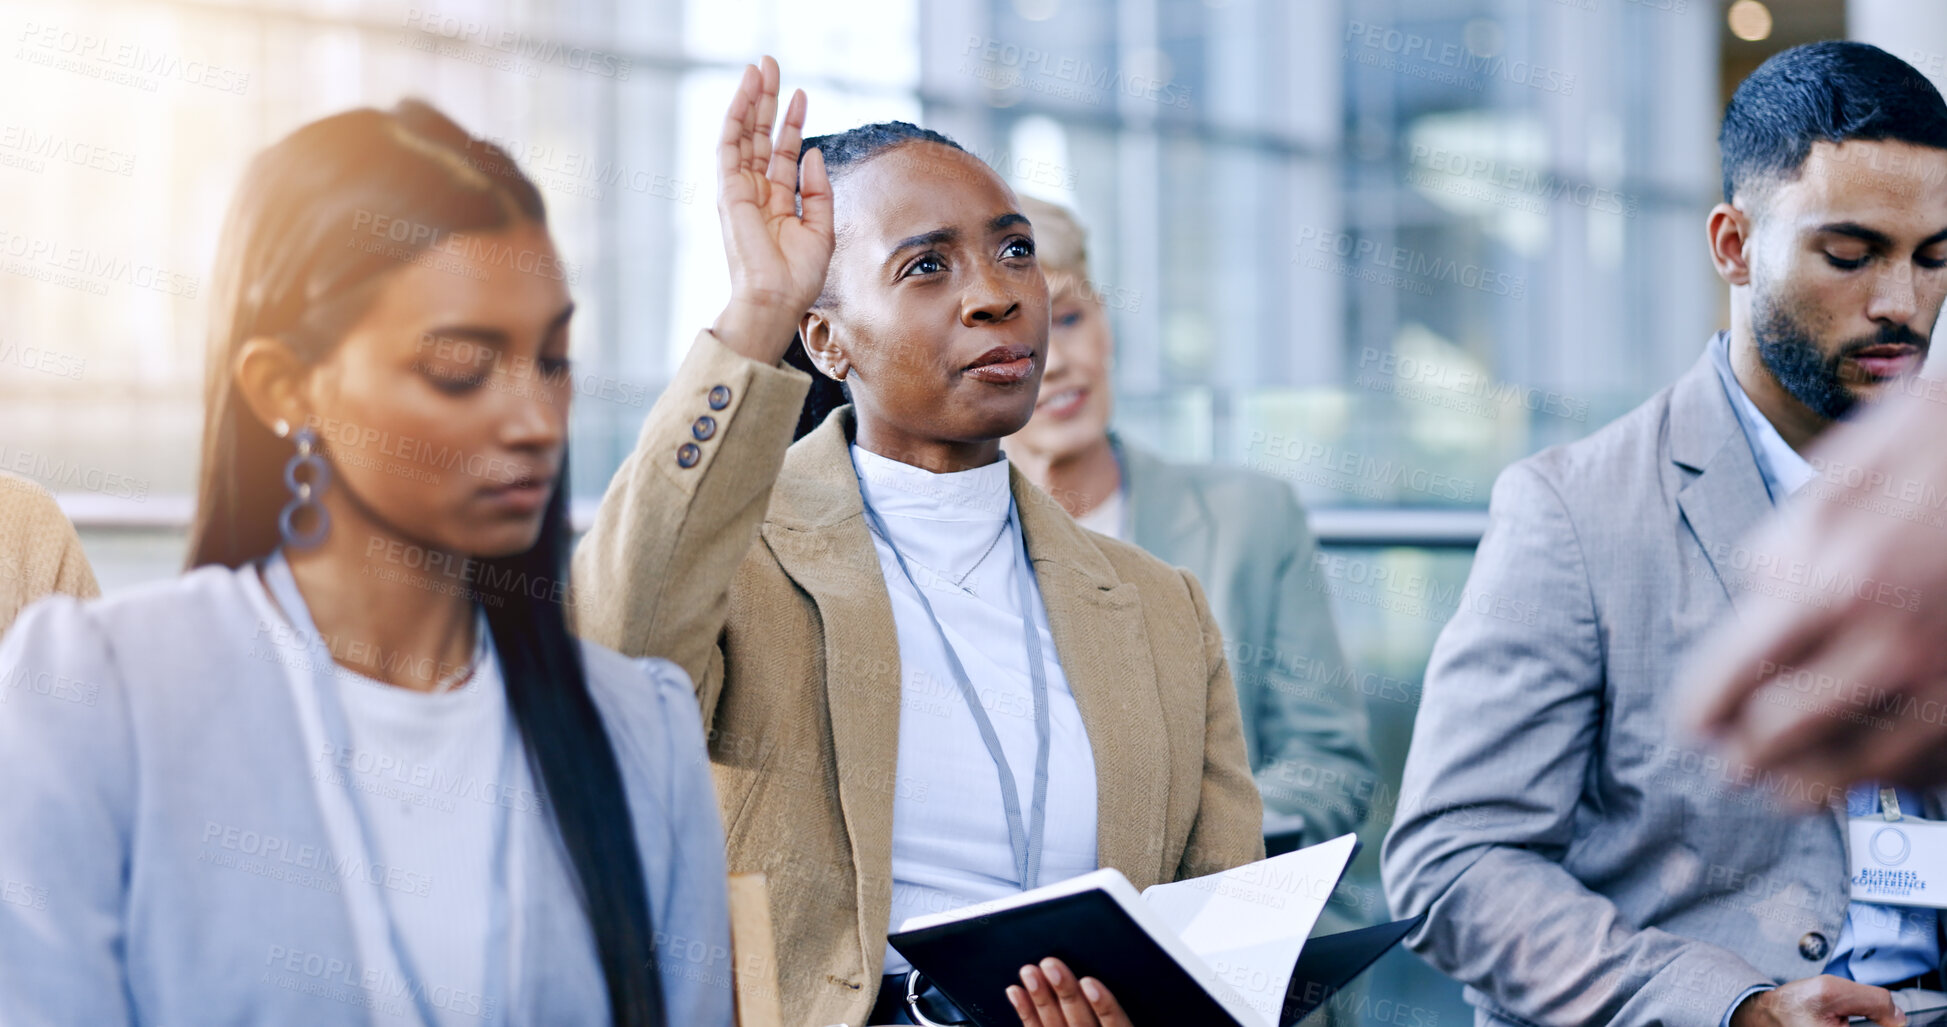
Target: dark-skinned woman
925,686
353,769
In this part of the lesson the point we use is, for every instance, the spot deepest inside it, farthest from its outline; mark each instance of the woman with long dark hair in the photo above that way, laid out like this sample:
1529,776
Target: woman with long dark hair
926,686
353,767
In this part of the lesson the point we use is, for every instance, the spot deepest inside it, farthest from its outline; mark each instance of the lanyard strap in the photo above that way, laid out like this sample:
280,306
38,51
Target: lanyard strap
1027,841
337,730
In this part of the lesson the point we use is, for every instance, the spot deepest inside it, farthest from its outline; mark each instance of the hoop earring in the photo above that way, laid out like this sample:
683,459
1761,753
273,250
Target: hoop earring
305,492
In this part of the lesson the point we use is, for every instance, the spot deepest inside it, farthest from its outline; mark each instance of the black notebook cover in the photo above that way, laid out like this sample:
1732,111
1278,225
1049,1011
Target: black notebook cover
1328,964
973,961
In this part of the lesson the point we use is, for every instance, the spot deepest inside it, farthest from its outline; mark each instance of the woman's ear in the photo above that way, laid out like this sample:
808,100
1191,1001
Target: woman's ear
822,343
269,377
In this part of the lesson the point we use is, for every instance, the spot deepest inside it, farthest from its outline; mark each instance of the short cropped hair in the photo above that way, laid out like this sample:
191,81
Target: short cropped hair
1831,91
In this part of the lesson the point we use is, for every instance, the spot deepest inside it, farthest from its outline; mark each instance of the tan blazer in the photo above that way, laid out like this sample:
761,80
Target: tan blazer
783,621
39,551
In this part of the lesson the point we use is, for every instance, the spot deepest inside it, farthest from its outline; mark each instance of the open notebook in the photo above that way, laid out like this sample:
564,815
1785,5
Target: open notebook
1226,949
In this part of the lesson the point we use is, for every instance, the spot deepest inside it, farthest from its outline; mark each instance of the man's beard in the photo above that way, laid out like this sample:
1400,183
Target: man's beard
1793,357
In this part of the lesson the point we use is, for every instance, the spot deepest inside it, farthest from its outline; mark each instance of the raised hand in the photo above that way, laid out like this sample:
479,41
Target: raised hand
777,256
1849,688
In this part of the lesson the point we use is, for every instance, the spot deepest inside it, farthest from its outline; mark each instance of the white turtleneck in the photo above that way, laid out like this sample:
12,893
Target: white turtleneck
950,844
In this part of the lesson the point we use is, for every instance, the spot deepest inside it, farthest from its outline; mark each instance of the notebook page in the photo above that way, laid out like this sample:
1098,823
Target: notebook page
1249,923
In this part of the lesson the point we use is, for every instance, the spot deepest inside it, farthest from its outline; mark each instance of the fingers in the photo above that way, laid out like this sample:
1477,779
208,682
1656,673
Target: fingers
1850,998
1017,996
1773,632
765,115
1730,671
1042,1001
1068,991
734,142
1832,716
815,196
1107,1009
1050,996
783,167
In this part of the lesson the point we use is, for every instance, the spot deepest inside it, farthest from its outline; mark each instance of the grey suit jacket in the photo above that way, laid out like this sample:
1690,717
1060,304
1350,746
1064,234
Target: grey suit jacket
163,859
1579,858
1244,536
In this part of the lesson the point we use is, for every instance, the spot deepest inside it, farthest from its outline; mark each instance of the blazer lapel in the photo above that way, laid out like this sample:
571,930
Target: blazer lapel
816,529
1727,498
1096,620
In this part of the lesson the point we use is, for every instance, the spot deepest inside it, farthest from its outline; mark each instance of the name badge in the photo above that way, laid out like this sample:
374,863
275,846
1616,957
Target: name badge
1899,862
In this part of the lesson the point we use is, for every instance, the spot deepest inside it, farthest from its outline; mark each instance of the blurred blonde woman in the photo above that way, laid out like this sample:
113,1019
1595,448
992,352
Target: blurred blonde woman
1244,536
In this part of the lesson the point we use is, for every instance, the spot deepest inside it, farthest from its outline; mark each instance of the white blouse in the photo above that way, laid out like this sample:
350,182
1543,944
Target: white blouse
950,844
427,767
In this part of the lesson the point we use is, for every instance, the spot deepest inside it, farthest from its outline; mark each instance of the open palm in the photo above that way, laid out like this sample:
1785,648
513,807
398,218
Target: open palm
777,253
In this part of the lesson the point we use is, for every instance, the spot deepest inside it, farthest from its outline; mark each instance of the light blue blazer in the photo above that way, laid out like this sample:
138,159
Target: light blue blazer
159,831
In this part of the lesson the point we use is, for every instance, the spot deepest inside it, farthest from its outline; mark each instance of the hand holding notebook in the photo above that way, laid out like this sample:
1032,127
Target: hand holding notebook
1223,949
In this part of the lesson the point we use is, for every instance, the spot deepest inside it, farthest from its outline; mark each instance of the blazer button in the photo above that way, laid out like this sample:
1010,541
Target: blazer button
719,397
704,427
1813,945
687,455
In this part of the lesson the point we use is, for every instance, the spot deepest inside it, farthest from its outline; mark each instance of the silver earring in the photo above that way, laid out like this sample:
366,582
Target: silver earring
306,474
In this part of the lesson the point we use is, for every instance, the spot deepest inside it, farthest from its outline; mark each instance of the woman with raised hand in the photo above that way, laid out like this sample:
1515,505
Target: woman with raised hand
925,685
352,768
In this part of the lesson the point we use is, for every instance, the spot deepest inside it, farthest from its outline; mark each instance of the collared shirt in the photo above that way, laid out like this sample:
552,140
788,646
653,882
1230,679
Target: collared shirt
950,843
1879,944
